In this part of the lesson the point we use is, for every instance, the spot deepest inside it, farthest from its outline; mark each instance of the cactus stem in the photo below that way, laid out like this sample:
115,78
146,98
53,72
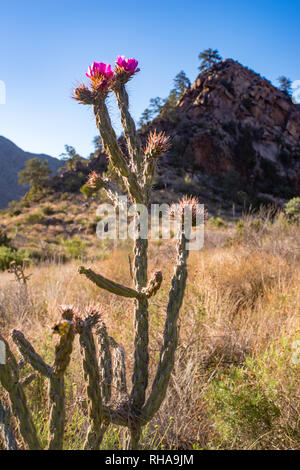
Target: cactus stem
109,285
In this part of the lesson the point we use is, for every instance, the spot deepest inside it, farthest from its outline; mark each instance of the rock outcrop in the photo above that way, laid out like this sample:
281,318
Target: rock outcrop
234,124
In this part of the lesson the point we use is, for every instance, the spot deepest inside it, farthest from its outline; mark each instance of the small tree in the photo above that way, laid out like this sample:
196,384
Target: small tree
208,58
145,119
71,158
182,83
35,174
285,85
165,107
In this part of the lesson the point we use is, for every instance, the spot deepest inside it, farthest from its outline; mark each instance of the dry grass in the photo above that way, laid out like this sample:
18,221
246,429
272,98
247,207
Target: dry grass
234,384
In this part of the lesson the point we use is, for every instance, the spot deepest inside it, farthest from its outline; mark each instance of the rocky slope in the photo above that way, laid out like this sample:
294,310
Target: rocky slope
12,160
235,131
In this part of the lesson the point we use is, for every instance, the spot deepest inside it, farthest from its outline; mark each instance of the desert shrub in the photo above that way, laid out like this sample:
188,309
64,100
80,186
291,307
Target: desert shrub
74,182
4,240
75,248
7,255
35,194
87,191
217,222
14,208
292,209
47,210
34,218
241,407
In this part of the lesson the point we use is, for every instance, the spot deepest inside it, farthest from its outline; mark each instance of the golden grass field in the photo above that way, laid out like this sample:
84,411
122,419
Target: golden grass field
235,384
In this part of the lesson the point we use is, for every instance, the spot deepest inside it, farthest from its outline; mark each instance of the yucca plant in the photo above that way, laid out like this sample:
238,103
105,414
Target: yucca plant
132,408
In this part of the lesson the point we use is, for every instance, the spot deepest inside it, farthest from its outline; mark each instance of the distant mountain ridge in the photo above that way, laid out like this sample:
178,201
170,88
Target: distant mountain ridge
12,160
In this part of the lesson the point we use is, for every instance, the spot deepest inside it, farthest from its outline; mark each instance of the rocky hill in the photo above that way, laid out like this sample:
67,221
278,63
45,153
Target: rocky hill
236,134
12,160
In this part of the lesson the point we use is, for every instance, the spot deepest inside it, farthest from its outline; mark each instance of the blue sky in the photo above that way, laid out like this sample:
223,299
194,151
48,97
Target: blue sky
46,47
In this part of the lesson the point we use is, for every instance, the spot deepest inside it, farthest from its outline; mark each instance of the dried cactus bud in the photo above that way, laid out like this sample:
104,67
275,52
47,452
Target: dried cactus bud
92,316
153,285
188,204
95,181
83,95
67,312
158,143
89,318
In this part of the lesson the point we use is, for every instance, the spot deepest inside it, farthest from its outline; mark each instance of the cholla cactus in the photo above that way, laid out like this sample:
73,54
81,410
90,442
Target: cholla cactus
105,371
137,172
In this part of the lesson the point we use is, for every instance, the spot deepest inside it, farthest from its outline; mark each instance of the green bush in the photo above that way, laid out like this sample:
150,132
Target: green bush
87,191
4,240
241,406
292,209
47,210
7,255
217,222
35,194
35,218
75,247
14,208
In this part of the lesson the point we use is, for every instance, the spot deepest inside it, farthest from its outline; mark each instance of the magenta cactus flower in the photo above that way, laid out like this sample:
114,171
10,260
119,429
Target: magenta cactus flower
128,65
99,68
100,74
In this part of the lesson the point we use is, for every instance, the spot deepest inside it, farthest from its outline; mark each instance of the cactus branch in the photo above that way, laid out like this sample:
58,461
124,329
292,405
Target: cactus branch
6,429
131,135
105,362
111,146
119,369
141,337
109,285
9,378
135,436
63,352
112,191
92,378
27,380
153,285
30,355
167,354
